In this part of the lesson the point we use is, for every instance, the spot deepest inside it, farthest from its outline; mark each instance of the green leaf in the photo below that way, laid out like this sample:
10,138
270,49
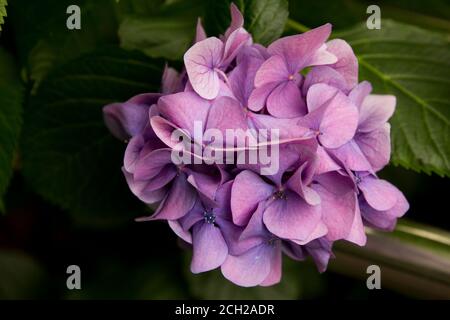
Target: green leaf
21,277
264,19
3,4
166,32
298,278
412,64
42,36
69,157
432,14
11,96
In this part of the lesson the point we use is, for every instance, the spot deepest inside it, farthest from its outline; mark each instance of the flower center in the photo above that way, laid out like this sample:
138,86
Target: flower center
291,77
271,241
209,217
280,195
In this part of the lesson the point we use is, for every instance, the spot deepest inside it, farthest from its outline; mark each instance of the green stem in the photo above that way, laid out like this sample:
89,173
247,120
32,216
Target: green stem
297,26
414,259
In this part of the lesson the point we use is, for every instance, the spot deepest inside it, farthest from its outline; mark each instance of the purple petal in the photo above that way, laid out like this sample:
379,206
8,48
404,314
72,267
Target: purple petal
336,120
285,101
234,43
209,248
322,57
242,78
385,220
360,92
273,69
184,109
179,231
375,111
379,194
300,180
247,192
180,199
170,80
320,231
274,275
320,251
132,152
125,120
200,33
351,156
258,97
237,20
172,136
347,64
138,188
376,146
326,75
291,218
325,162
337,212
201,61
299,50
357,233
151,165
251,268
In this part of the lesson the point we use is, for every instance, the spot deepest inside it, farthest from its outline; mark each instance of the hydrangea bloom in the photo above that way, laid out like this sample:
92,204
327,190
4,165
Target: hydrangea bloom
333,138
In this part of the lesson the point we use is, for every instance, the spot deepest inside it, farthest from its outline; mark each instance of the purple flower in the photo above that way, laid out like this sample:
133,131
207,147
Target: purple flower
277,80
328,134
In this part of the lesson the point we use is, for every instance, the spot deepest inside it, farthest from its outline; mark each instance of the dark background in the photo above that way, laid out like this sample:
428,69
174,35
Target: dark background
122,259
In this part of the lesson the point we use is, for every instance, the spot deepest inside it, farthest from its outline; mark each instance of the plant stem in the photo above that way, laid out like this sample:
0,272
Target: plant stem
297,26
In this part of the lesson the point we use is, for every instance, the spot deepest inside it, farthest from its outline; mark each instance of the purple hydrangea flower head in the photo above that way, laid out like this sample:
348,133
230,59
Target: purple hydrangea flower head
295,107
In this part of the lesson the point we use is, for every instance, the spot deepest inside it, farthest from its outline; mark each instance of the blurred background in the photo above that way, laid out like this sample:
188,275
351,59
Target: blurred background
65,201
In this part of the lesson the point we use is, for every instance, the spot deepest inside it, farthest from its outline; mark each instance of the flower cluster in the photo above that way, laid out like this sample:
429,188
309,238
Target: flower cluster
333,138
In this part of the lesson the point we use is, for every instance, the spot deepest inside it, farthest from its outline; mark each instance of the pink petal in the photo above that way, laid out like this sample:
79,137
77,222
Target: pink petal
201,61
